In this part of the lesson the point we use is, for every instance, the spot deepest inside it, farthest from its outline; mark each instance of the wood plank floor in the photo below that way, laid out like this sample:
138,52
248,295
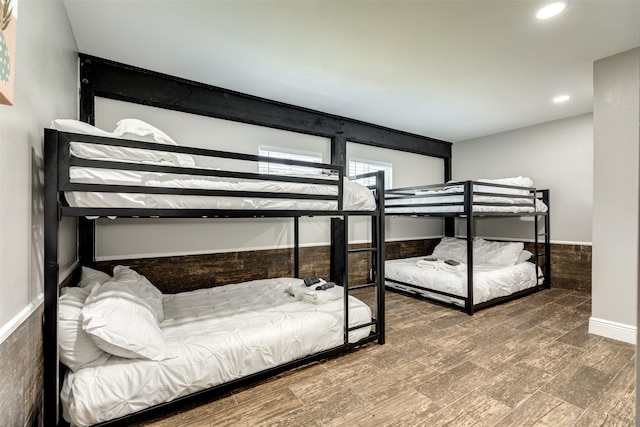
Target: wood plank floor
530,362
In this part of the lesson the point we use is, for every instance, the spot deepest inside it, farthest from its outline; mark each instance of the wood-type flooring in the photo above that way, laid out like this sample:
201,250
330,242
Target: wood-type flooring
529,362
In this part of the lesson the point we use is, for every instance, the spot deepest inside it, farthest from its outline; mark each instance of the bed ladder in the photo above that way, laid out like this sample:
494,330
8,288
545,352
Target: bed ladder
545,235
340,254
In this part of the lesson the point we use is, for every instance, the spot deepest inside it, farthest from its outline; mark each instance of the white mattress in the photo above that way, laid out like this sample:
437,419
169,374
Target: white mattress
513,208
489,281
515,186
215,335
355,196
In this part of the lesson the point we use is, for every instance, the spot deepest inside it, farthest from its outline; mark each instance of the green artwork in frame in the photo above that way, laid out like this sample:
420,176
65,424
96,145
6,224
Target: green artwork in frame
8,24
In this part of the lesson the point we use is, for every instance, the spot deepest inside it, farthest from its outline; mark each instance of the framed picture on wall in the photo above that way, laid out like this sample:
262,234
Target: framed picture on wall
8,24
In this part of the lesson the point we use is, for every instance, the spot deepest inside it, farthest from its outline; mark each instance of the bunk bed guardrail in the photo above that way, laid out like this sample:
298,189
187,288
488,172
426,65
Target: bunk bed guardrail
66,161
463,194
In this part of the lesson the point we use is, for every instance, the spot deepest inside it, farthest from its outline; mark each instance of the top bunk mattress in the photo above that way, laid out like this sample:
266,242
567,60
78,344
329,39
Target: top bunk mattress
153,172
355,196
504,195
212,336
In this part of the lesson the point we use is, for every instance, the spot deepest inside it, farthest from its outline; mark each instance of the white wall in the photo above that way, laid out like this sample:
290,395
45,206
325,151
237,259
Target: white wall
616,115
45,88
126,239
408,170
557,155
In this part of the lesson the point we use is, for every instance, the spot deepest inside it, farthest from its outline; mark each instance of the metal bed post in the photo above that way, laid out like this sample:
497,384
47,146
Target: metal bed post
379,256
86,241
449,222
536,232
50,316
345,277
468,208
296,246
338,252
547,240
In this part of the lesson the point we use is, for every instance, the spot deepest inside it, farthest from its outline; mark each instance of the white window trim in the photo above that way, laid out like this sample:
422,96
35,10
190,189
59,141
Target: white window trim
372,166
288,153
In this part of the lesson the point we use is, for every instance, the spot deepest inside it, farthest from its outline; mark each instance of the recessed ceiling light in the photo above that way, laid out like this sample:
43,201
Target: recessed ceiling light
560,99
552,9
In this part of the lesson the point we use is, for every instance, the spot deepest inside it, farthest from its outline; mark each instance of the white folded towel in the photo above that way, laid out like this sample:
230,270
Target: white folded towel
423,263
321,297
439,265
453,268
298,289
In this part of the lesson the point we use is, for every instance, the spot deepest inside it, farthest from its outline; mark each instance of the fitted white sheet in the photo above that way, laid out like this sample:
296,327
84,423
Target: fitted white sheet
489,281
213,335
446,196
512,208
355,196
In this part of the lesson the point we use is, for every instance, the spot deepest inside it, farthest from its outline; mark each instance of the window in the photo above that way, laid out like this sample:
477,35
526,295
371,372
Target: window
360,166
290,154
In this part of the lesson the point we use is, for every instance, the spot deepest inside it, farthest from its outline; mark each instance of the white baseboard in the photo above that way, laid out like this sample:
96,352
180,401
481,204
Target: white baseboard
613,330
13,324
10,327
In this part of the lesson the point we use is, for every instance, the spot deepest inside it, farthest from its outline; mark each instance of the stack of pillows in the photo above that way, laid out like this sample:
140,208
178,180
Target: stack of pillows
484,251
106,315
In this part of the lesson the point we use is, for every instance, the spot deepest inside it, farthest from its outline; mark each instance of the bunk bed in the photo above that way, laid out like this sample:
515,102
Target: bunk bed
471,273
159,350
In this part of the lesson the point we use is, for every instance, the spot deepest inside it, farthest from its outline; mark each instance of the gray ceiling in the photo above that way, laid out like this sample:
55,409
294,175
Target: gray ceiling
452,70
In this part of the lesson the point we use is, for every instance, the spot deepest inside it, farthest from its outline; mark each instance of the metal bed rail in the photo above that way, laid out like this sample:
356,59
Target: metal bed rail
333,179
455,194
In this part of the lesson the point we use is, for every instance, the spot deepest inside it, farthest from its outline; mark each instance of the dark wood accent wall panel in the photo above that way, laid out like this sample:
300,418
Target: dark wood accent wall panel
21,382
104,78
410,248
571,267
185,273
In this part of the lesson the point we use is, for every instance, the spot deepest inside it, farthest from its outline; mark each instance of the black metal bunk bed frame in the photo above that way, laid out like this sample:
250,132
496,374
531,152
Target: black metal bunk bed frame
57,181
112,80
467,212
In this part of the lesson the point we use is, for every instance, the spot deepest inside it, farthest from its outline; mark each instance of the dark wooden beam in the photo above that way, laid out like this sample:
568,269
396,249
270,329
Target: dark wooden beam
109,79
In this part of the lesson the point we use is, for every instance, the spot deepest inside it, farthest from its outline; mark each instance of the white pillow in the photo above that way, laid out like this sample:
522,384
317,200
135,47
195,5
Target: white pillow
124,154
496,253
122,324
76,348
520,181
90,277
451,248
142,288
484,251
143,131
76,126
524,256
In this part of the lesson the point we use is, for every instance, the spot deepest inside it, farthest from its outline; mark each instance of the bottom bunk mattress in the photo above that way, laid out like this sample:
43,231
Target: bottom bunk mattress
489,280
212,336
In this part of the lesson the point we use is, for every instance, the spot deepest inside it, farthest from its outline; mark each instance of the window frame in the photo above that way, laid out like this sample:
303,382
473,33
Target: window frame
371,166
270,168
